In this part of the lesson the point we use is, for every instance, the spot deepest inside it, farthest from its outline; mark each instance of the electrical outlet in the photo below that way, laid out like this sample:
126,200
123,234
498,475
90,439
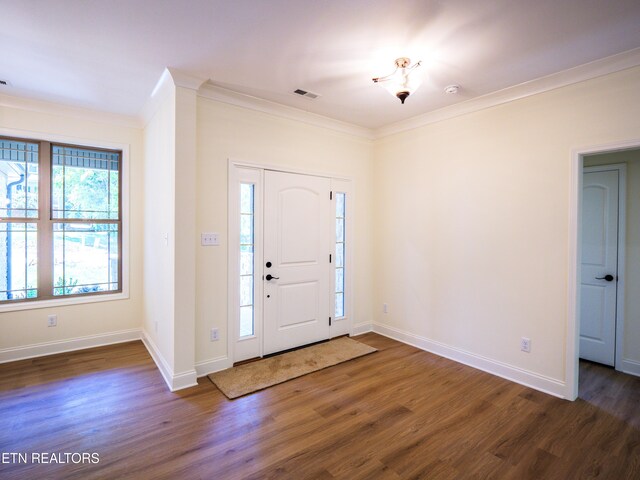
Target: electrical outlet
52,321
385,308
215,335
525,344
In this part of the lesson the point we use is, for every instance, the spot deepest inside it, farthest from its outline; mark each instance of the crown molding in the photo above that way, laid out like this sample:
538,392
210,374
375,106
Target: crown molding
184,80
52,108
168,81
231,97
587,71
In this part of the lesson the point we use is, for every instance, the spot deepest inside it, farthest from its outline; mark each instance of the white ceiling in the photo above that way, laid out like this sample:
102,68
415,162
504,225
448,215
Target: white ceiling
109,54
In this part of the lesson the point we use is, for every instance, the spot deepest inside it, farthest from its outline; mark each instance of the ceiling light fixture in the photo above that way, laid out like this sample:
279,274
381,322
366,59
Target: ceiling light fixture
399,83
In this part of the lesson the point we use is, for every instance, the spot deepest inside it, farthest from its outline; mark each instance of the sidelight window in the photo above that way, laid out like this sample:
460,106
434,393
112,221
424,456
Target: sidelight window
340,254
247,264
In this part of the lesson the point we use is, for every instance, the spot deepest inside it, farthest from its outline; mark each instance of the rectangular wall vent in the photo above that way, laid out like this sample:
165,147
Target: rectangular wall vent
304,93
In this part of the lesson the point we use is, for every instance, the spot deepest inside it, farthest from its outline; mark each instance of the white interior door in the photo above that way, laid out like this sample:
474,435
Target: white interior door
297,244
599,266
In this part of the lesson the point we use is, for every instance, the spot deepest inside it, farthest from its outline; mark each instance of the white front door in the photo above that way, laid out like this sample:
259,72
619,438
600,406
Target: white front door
296,268
599,266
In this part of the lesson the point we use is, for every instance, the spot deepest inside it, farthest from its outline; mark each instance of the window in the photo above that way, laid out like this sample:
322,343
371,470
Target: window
340,253
60,220
247,246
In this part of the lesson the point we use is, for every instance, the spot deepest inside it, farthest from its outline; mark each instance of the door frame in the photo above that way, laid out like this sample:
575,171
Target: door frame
572,351
339,183
621,168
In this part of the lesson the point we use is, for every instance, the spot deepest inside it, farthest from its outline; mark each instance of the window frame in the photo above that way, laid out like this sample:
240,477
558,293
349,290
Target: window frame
45,178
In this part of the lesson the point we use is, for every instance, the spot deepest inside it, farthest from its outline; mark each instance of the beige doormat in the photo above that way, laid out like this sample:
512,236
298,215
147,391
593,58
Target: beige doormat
251,377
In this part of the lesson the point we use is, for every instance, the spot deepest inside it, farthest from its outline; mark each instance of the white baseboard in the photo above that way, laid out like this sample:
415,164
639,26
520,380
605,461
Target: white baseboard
213,365
174,381
515,374
69,345
631,367
361,328
183,380
161,363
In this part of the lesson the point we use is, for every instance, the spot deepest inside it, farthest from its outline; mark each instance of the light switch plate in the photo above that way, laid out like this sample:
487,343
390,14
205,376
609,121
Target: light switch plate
208,239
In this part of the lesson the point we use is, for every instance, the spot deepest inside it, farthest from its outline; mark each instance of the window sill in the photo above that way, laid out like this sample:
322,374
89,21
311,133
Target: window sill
62,302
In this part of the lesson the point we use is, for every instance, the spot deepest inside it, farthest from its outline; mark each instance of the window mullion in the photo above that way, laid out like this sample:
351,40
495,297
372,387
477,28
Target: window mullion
45,224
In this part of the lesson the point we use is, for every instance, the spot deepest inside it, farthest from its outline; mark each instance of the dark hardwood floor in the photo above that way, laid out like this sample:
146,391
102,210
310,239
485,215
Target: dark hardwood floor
398,413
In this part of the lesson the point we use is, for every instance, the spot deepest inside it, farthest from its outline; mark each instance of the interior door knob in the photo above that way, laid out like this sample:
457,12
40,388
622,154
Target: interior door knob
271,277
607,277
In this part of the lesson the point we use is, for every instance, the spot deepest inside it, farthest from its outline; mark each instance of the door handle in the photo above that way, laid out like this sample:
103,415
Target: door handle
607,277
271,277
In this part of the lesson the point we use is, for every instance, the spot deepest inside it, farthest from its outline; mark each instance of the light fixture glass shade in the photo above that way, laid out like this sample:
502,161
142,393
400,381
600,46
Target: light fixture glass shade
401,83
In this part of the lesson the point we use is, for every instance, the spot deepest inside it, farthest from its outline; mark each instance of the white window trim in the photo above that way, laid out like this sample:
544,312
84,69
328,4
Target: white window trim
103,297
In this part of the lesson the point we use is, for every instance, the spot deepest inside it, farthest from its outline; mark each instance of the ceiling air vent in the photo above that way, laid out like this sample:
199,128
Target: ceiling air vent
304,93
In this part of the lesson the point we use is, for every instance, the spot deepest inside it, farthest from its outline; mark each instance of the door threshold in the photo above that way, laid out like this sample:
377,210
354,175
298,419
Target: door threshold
255,359
612,367
249,360
295,348
304,346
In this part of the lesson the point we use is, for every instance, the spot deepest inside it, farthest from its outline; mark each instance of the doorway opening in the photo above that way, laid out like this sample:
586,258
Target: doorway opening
607,270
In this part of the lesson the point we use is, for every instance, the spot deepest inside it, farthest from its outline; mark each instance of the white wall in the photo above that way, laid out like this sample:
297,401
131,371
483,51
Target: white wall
631,341
159,227
472,224
24,333
169,291
185,232
226,131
